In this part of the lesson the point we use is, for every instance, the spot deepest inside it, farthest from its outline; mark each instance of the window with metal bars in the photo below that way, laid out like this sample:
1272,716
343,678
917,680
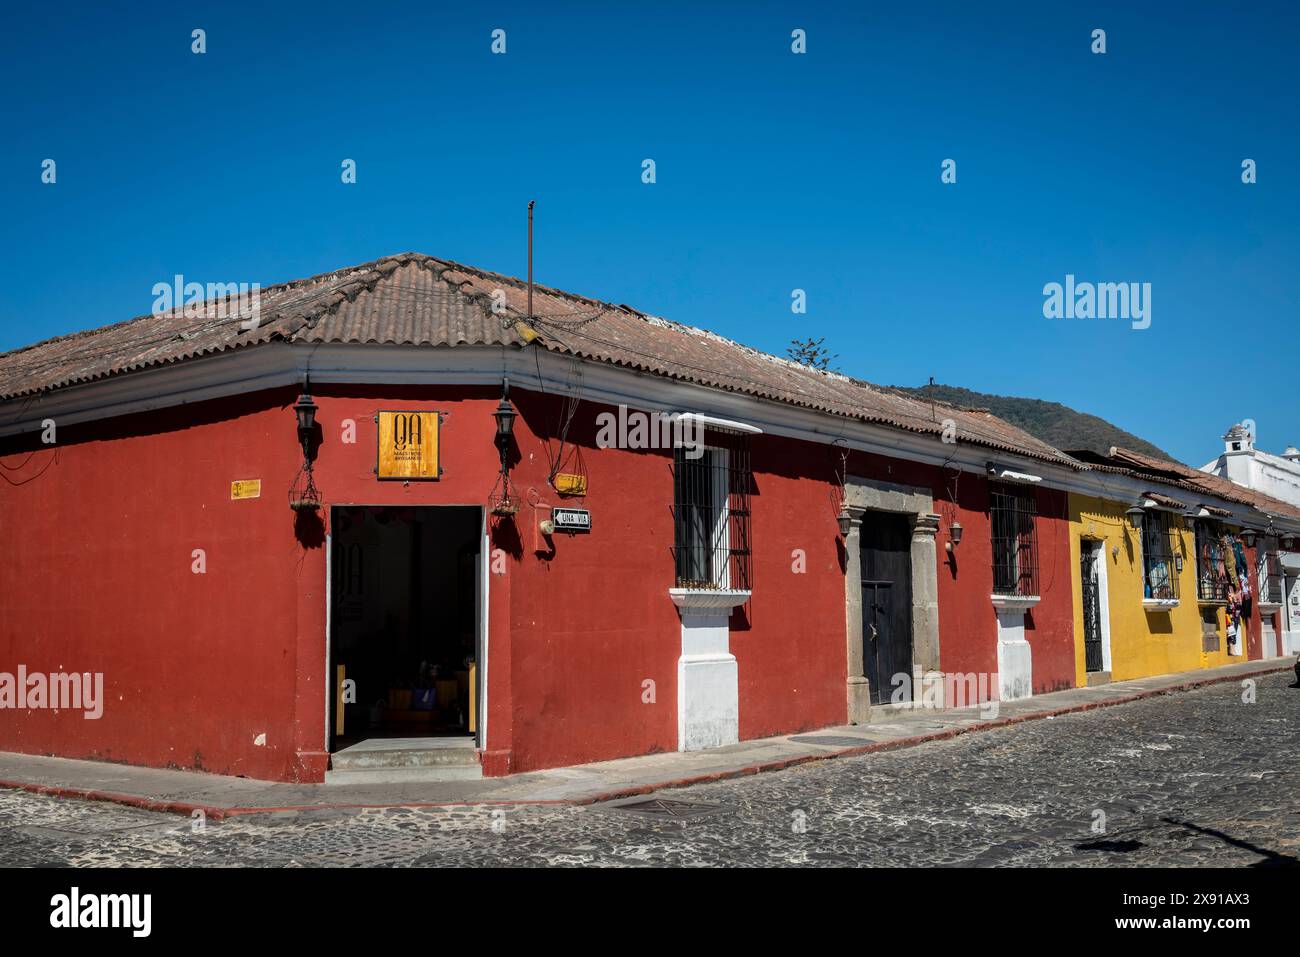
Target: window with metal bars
1159,576
1013,515
1211,570
1270,571
711,546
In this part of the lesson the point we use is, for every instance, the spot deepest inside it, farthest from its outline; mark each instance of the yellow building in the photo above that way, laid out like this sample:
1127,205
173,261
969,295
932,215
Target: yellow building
1136,610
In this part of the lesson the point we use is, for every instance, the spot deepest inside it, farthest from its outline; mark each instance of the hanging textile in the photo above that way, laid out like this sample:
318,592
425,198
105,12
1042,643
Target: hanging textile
1240,555
1230,562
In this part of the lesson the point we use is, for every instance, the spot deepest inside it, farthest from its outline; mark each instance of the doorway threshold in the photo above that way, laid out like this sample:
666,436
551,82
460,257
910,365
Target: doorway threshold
398,760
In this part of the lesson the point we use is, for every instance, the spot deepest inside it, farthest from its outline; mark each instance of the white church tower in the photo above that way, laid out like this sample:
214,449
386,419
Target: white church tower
1242,463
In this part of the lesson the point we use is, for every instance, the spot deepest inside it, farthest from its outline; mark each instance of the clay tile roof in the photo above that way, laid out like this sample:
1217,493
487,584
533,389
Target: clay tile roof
1195,480
413,299
1164,501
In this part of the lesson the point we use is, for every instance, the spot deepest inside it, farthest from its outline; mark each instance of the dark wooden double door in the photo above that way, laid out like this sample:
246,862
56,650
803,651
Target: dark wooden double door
886,553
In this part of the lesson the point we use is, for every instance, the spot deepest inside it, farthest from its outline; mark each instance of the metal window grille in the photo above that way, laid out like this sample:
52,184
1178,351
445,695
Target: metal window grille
1270,572
1211,569
711,546
1159,577
1013,515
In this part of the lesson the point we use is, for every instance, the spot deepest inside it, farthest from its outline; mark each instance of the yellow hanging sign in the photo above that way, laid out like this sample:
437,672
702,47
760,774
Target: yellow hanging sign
408,445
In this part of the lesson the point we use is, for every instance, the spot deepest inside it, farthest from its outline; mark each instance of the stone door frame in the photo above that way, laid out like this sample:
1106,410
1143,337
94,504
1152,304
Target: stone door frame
862,495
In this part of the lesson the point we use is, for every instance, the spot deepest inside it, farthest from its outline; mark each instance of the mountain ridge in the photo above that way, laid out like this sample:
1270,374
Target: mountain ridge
1052,422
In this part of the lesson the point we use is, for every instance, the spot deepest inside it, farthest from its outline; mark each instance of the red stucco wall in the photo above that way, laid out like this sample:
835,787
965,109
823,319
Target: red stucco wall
96,576
789,639
967,620
1254,624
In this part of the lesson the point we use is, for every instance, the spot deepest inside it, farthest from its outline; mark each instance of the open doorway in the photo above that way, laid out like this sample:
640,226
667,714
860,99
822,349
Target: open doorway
1291,613
1096,610
405,644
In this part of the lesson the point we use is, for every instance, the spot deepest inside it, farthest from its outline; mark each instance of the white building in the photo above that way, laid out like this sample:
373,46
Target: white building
1277,476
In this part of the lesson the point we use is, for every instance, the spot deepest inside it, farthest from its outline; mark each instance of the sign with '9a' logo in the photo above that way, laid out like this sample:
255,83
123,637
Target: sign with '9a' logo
408,445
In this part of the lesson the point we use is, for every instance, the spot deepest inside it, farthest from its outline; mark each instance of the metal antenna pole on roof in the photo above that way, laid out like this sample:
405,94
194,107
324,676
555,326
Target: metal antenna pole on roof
531,202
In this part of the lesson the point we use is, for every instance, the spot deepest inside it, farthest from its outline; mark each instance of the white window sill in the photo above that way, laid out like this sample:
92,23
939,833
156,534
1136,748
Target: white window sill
708,597
1160,604
1015,602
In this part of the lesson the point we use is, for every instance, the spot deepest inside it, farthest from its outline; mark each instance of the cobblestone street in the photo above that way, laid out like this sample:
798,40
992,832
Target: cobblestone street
1191,779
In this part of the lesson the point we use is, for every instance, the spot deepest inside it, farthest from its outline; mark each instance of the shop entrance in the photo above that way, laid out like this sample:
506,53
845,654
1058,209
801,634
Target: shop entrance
405,651
1291,613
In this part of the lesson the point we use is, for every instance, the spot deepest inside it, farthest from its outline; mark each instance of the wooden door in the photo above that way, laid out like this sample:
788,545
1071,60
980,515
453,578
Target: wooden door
886,553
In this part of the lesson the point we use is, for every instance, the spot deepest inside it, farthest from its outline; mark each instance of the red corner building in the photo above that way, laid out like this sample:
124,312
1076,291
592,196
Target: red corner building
399,505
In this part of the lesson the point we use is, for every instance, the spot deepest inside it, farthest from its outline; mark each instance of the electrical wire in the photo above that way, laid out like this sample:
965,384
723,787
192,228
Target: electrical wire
32,478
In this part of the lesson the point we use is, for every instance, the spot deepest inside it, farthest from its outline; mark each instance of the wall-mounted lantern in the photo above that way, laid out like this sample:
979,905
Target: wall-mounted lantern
505,416
1248,536
1288,542
1135,517
500,501
954,537
304,496
845,521
305,409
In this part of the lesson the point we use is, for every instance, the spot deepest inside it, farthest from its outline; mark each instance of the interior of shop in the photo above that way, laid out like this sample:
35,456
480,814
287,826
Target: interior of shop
405,602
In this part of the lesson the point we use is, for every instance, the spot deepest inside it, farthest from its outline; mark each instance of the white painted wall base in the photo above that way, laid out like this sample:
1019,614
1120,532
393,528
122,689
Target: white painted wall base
709,712
1015,657
708,676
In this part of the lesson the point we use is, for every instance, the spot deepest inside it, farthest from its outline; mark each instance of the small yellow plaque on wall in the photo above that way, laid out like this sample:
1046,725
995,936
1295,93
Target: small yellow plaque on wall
408,446
245,488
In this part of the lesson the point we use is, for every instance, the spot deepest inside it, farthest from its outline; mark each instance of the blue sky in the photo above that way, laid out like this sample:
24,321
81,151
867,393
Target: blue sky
775,171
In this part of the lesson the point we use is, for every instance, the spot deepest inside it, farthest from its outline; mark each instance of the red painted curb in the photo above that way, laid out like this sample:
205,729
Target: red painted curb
219,813
130,800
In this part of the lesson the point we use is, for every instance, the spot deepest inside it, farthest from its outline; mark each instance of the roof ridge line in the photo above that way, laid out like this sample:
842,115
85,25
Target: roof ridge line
287,284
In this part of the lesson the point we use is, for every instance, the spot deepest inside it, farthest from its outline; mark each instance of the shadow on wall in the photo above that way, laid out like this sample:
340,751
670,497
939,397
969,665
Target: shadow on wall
309,528
1161,622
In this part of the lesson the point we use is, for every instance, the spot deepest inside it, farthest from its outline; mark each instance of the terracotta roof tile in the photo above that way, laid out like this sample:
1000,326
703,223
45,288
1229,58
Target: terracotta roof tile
1195,480
412,299
1164,501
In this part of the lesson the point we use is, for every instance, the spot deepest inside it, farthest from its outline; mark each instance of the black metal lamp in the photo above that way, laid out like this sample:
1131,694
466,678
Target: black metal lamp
305,409
505,416
1135,516
1288,542
304,496
845,521
1248,536
954,533
500,501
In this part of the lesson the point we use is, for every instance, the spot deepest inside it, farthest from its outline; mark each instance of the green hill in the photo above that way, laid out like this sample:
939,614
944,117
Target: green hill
1052,422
